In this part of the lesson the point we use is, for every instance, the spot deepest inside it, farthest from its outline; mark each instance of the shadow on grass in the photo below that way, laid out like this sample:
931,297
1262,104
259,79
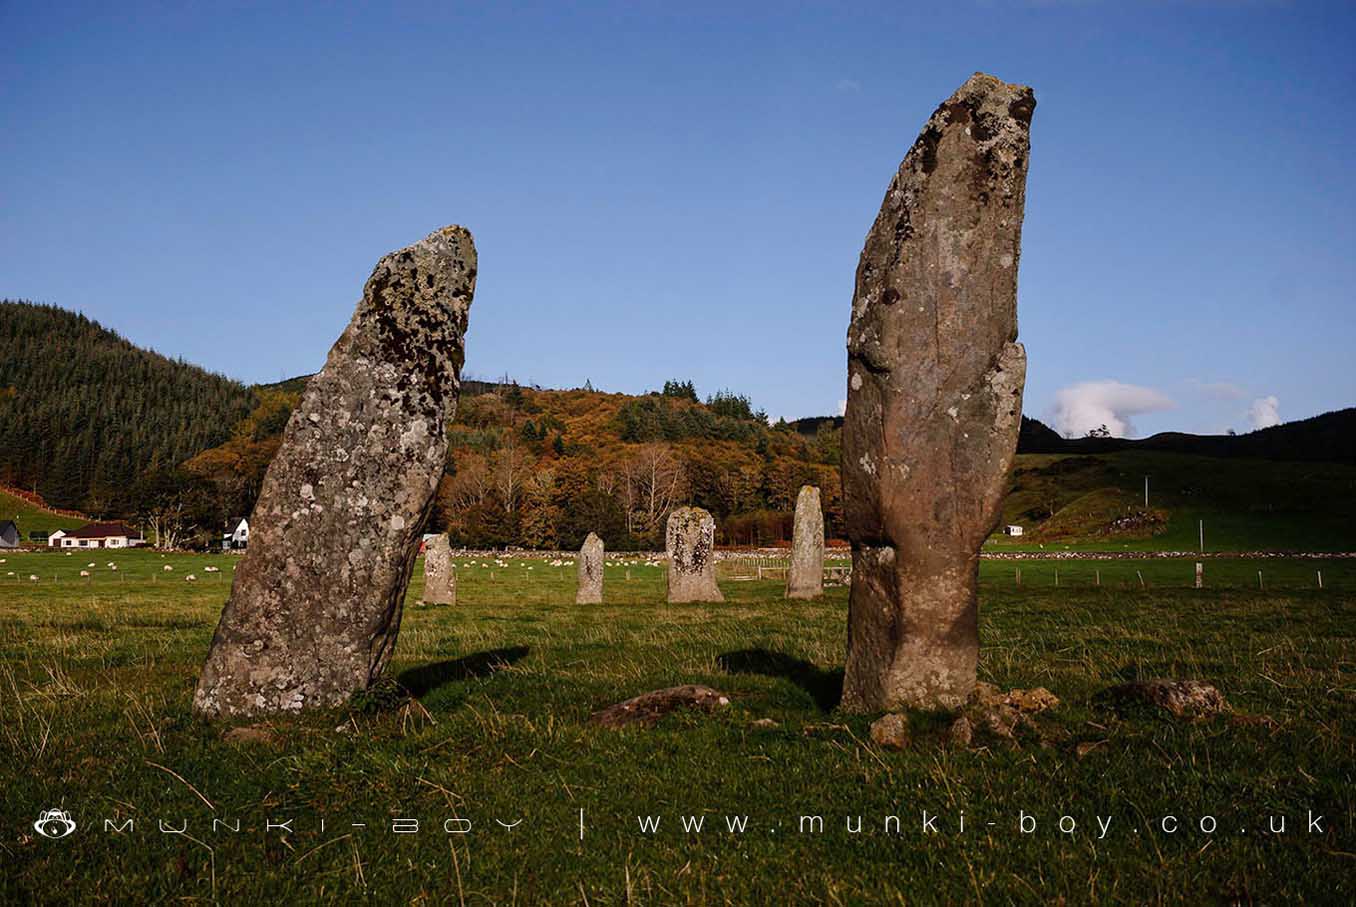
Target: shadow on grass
824,687
422,680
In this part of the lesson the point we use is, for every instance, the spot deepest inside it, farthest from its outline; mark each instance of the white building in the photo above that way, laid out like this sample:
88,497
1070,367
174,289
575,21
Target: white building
54,540
237,535
1012,530
102,535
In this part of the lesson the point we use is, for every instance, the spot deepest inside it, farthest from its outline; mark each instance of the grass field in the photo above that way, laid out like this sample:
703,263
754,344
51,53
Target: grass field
32,518
96,678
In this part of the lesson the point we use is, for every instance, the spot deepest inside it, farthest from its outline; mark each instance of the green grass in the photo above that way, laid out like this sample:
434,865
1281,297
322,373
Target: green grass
1246,504
96,678
34,519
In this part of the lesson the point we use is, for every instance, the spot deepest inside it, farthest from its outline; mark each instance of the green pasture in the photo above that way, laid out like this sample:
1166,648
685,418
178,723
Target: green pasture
96,679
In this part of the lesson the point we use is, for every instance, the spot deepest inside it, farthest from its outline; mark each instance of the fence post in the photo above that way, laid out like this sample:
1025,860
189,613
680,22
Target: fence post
1141,579
1200,570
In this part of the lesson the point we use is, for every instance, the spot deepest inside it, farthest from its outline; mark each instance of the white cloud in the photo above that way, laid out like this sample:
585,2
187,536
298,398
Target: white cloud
1081,408
842,407
1264,412
1220,390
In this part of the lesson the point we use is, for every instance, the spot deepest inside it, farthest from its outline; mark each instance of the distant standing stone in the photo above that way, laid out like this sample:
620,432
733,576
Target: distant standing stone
934,399
440,574
690,540
316,602
805,579
590,568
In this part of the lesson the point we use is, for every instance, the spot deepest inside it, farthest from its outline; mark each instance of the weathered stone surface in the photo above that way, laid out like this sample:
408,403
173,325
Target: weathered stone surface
690,539
647,708
934,399
805,578
1181,698
315,605
590,591
891,731
440,574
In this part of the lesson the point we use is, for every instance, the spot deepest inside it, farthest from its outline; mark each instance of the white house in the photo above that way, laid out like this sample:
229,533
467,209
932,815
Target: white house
1012,530
54,540
102,535
237,535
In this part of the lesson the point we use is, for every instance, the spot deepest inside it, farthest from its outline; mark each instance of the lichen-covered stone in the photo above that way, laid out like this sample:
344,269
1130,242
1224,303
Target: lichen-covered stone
805,578
646,709
590,566
690,539
315,605
440,574
934,400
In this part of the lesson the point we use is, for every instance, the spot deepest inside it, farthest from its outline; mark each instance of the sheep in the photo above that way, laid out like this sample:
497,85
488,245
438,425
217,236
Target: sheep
191,578
167,568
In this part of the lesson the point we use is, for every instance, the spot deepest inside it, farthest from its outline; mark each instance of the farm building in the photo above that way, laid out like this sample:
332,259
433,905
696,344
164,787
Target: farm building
1012,530
54,540
9,534
102,535
237,536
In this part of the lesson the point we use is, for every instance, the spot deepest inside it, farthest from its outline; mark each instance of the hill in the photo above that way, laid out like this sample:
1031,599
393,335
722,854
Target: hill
91,421
85,414
1330,437
34,516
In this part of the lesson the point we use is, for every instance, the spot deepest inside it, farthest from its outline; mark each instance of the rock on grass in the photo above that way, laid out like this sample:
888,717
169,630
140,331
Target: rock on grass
1180,698
646,709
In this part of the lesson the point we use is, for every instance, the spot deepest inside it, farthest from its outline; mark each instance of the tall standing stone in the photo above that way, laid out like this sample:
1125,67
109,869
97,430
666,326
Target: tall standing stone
315,605
805,578
440,574
690,540
934,399
590,591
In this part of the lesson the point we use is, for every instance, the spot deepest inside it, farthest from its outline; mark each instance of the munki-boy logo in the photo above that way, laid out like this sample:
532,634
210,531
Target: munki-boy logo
54,823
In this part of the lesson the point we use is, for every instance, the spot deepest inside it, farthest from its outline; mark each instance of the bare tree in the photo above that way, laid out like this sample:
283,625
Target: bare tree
656,478
510,469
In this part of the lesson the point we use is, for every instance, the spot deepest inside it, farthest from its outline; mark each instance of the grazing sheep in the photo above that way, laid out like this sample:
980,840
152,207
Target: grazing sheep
190,578
167,568
84,573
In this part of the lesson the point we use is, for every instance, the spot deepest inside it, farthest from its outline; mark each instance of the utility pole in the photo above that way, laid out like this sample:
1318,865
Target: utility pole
1146,492
1202,536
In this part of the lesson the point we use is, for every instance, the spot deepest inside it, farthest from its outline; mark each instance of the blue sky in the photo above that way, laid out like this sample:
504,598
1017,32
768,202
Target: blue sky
682,190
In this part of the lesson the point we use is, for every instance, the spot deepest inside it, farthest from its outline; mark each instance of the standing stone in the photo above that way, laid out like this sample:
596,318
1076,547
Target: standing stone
590,572
315,605
440,574
690,540
934,399
805,579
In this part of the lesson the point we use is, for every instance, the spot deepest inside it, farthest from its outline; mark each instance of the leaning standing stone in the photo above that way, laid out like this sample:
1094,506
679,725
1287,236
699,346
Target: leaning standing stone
934,399
315,605
440,575
805,579
590,590
690,540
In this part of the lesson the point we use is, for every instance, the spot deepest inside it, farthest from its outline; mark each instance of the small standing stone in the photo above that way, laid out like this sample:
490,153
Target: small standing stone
440,574
691,543
805,578
590,572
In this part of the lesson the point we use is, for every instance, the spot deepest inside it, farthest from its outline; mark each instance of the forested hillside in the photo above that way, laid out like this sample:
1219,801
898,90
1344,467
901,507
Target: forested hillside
543,468
85,415
92,422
